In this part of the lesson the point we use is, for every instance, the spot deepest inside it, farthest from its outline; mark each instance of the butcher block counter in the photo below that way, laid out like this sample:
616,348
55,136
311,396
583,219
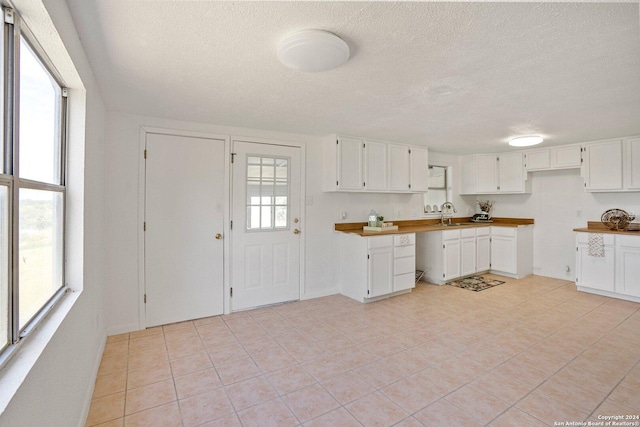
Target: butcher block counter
598,227
425,225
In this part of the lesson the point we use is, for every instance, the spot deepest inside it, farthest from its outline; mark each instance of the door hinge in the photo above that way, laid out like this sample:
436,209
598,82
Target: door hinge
337,142
576,280
364,145
409,185
337,183
231,225
364,184
144,226
65,92
233,156
231,292
442,246
409,151
145,153
367,291
576,249
443,275
145,298
367,256
497,159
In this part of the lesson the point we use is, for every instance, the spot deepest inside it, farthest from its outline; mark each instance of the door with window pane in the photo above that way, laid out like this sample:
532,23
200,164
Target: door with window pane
265,267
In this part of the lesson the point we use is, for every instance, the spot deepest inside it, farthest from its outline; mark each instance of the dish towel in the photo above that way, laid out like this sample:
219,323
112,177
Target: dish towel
596,245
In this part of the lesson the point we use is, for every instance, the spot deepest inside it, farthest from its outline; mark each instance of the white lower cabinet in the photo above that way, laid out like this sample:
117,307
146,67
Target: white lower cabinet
372,267
467,251
512,251
617,273
483,249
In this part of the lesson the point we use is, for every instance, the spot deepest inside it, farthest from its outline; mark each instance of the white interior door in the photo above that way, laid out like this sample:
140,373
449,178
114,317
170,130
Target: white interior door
184,210
266,203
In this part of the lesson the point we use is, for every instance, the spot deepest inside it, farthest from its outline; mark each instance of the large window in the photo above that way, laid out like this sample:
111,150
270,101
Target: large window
438,189
32,185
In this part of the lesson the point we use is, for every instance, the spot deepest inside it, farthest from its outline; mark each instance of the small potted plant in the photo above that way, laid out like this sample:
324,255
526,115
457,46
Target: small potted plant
485,206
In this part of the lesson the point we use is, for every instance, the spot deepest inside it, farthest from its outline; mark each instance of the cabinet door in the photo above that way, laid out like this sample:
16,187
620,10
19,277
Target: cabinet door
483,253
467,175
486,167
398,167
451,259
467,256
633,146
375,166
537,160
566,157
419,169
380,271
603,166
503,254
595,272
628,265
511,173
350,164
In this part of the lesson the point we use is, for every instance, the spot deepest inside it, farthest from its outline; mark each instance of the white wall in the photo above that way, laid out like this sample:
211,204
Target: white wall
557,199
122,159
58,388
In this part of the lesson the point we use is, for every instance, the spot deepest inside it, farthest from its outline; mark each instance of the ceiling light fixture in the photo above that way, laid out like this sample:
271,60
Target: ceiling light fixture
525,141
313,51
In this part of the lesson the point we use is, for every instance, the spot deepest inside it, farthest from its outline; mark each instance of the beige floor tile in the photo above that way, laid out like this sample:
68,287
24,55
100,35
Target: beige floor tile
149,396
273,360
409,422
378,374
627,392
376,410
549,410
237,371
205,407
505,387
113,364
118,337
221,354
354,357
109,384
164,415
184,347
146,343
337,417
148,374
410,395
181,326
147,332
117,348
443,413
482,406
197,383
251,392
324,368
310,402
610,407
273,413
290,379
515,417
229,420
107,408
581,398
192,363
347,387
147,357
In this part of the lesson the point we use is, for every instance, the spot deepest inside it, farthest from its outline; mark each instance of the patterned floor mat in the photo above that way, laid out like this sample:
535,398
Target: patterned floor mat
475,283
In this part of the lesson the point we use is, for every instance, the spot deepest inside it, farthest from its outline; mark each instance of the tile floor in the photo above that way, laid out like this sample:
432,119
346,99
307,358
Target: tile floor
530,352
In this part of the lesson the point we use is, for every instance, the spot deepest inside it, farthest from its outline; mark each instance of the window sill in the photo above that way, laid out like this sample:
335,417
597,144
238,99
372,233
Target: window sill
20,359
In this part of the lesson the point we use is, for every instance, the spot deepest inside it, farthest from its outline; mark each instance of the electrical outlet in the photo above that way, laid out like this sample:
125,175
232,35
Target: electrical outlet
343,214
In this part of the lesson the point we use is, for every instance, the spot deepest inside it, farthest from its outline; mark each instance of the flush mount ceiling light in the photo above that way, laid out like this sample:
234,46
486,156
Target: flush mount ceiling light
525,141
313,51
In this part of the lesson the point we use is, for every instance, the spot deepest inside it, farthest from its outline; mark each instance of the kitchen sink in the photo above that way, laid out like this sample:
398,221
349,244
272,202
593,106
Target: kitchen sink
458,224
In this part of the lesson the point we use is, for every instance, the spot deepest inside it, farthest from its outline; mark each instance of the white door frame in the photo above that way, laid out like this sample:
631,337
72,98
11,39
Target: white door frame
303,219
144,130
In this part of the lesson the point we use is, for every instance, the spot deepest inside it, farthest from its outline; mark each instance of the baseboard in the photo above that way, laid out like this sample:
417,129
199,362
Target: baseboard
319,294
89,394
123,329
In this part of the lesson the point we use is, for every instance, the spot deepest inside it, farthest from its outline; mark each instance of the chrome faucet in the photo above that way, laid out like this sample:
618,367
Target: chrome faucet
448,209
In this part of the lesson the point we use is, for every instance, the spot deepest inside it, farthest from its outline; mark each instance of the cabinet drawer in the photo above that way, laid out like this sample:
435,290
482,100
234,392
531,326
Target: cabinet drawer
404,251
483,231
451,234
380,242
504,231
404,265
468,232
404,239
404,281
628,241
584,238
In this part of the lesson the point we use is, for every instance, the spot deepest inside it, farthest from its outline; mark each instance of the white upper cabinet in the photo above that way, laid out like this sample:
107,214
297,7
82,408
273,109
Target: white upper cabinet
355,165
486,168
491,174
399,167
375,166
603,166
562,157
511,175
632,158
419,169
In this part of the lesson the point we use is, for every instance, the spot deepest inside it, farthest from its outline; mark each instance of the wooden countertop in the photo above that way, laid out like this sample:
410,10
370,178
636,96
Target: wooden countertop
424,225
598,227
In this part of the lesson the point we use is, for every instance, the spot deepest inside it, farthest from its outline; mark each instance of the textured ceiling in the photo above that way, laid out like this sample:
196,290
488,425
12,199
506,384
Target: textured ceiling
456,77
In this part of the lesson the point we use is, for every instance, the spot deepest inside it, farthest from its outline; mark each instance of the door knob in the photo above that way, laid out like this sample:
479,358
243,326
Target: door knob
296,231
218,236
296,220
